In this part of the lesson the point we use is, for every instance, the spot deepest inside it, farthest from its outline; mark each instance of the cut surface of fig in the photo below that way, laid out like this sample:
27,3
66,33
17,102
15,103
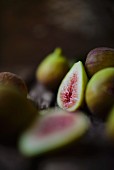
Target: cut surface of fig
52,131
71,91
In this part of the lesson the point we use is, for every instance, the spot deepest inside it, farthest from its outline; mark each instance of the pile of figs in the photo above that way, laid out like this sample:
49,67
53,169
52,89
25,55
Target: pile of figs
16,111
81,90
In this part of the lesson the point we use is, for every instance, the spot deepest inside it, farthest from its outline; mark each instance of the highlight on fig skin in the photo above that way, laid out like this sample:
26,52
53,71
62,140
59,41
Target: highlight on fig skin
72,89
11,79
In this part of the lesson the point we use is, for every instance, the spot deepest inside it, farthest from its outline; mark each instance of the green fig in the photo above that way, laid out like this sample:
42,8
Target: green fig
110,125
52,69
53,130
100,92
99,58
11,79
72,89
16,112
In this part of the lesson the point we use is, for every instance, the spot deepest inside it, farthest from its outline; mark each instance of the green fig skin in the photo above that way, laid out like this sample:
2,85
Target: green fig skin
99,58
16,112
110,125
52,69
8,78
100,92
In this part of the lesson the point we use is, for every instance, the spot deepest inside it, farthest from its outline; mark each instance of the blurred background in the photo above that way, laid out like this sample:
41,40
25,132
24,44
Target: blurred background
30,29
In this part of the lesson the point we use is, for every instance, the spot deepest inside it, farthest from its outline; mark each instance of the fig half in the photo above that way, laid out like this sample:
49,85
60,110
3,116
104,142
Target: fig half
71,91
53,130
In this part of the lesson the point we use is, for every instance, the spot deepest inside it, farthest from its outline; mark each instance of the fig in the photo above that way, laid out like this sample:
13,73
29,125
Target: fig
99,58
7,78
100,92
16,112
52,69
110,125
72,89
54,129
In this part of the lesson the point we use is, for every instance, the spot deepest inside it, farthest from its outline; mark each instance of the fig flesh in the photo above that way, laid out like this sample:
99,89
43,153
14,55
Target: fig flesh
52,69
53,130
100,92
99,58
72,89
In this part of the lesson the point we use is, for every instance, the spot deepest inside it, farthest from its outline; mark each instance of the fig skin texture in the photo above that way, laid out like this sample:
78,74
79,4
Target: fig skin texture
52,69
54,130
110,125
11,79
71,92
99,58
100,92
16,112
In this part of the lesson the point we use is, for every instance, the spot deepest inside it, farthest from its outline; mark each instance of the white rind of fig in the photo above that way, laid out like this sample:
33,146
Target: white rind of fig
71,92
55,129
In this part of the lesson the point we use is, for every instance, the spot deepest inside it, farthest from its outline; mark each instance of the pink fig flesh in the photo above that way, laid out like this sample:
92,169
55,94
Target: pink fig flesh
71,92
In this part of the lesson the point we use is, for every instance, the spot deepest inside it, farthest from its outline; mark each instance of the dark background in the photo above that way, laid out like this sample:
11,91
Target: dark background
30,29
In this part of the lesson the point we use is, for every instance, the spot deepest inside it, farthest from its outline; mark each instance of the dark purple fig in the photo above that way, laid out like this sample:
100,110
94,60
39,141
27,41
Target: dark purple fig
98,59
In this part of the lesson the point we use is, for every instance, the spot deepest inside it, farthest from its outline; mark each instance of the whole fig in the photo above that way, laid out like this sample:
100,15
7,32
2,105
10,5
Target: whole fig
16,112
11,79
100,92
52,69
98,59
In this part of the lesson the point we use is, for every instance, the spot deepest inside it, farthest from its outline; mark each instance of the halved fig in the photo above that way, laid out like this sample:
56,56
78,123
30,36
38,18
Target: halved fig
53,130
71,91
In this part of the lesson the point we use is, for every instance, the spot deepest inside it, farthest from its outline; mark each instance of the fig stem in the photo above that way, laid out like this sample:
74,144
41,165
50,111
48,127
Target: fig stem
58,52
